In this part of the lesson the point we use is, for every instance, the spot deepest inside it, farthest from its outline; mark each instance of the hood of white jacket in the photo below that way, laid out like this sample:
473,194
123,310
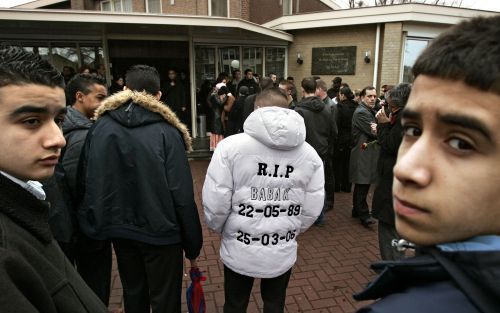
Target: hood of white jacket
277,128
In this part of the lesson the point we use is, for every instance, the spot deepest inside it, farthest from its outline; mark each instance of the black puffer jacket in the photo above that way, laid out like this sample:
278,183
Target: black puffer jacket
320,131
136,177
35,276
436,282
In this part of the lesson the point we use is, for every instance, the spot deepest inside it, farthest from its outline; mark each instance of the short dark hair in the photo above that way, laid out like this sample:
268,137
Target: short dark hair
288,84
468,52
143,78
221,77
321,84
309,84
347,92
337,81
272,97
19,67
82,83
248,70
399,94
363,92
266,83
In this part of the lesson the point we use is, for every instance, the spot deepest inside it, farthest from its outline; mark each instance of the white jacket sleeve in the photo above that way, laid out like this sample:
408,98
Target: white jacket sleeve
314,198
217,191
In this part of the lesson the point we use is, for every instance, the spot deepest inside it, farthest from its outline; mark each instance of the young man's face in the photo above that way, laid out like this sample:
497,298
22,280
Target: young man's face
88,103
30,134
448,170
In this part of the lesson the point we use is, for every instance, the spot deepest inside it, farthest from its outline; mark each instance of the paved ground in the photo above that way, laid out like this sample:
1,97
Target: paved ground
333,262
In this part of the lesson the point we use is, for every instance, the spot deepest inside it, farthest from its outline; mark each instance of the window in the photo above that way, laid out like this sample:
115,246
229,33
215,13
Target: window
153,6
413,48
219,8
226,56
287,7
275,61
117,5
252,59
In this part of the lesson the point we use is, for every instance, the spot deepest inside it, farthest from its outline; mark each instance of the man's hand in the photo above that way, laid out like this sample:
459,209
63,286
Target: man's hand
381,117
193,263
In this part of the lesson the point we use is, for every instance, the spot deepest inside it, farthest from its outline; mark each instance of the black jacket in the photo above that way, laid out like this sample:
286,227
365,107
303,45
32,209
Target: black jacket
135,175
389,137
320,131
253,86
35,276
345,111
61,189
436,282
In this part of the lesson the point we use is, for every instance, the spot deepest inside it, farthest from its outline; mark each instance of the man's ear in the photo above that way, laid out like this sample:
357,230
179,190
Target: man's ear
79,96
158,95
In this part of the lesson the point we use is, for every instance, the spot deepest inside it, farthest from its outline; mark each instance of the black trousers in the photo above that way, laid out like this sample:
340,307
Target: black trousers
237,290
93,259
151,276
359,203
341,169
329,184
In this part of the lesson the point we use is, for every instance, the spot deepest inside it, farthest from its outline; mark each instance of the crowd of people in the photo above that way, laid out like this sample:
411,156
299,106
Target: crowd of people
84,171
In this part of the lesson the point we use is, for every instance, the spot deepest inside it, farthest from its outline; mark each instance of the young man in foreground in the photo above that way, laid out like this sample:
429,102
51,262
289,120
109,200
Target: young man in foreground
35,276
446,195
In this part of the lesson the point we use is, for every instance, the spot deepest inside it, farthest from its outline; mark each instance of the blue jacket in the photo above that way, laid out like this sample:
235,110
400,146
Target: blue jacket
436,282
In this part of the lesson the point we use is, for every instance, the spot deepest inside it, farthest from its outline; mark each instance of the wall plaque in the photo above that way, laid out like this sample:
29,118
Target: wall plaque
334,61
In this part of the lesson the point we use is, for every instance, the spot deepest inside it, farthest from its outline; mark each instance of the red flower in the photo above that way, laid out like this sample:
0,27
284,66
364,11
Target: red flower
365,145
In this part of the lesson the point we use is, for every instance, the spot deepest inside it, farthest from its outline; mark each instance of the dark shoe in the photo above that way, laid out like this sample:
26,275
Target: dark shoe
320,223
367,222
354,214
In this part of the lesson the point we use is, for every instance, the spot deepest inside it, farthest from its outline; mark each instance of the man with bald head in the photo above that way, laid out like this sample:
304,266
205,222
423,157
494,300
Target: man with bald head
263,188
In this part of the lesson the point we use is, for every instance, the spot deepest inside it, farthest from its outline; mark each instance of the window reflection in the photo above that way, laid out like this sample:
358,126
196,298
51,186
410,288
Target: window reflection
413,48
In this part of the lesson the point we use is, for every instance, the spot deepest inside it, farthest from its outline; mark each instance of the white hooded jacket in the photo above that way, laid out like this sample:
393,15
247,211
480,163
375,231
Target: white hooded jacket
263,187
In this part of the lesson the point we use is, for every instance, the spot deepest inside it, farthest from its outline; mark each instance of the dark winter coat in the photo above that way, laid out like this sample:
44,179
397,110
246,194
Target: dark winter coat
35,276
252,85
436,282
174,96
345,111
320,131
389,137
363,162
61,189
235,118
137,180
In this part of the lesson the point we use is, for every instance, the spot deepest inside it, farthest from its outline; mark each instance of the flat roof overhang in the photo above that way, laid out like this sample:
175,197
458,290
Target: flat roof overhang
23,24
412,12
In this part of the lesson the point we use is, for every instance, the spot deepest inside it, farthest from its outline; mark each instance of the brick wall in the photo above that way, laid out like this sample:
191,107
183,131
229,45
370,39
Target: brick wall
77,5
245,9
235,8
262,11
306,6
363,37
391,50
188,7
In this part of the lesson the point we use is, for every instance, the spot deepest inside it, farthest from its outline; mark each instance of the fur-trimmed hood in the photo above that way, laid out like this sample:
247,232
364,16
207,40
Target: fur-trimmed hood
129,109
